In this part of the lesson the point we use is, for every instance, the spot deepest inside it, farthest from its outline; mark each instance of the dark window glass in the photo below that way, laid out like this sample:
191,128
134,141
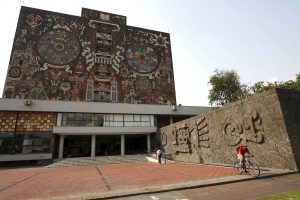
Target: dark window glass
99,120
36,142
6,141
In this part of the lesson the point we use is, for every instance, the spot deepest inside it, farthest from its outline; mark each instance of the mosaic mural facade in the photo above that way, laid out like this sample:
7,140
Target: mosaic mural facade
268,123
95,57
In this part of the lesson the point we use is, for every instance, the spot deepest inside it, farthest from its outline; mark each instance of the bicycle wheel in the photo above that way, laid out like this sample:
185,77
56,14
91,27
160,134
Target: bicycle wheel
237,168
254,170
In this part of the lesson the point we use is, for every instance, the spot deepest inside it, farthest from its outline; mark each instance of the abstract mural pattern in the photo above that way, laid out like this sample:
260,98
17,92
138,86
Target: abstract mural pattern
95,57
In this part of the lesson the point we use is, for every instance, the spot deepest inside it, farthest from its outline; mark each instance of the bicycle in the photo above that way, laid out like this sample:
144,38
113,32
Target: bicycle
250,166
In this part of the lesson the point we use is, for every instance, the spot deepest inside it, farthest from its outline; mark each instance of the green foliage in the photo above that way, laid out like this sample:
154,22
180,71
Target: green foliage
261,86
226,88
293,195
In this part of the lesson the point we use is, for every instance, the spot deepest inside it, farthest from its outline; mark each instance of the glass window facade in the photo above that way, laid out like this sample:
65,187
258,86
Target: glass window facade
78,119
106,120
25,142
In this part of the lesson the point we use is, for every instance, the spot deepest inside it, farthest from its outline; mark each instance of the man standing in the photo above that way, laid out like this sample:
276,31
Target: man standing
159,154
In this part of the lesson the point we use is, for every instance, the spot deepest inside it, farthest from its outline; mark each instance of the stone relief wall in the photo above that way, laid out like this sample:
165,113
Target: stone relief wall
290,105
212,138
96,57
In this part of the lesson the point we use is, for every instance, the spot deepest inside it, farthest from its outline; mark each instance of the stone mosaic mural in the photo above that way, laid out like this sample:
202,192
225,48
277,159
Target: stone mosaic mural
8,121
26,121
268,123
95,57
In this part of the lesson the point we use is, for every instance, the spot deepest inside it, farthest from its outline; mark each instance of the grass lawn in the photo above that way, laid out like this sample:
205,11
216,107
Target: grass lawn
293,195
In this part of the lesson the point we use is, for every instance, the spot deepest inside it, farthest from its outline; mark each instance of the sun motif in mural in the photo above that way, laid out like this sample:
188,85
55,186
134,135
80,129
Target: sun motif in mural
142,58
58,47
160,40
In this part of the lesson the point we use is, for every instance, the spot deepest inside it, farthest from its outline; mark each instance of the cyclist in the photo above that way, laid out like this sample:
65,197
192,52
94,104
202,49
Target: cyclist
241,151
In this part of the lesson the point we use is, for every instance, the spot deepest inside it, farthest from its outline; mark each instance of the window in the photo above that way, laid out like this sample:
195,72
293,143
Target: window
77,119
118,118
106,120
128,118
99,120
114,96
137,118
6,140
25,142
36,142
145,118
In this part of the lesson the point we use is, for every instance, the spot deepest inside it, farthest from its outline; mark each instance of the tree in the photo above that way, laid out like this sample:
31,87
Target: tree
262,86
226,88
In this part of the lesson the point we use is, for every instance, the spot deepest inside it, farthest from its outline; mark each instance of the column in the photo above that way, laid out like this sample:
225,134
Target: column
93,147
171,120
148,143
59,119
61,146
122,145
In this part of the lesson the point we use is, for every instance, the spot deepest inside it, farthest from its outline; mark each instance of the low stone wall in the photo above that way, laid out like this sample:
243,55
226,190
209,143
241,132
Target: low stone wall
257,121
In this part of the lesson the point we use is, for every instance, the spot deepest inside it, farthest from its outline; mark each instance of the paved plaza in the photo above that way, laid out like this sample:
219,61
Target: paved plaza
112,180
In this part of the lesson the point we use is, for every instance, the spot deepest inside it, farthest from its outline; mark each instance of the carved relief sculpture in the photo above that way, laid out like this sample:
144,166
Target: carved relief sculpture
201,133
182,143
188,136
247,128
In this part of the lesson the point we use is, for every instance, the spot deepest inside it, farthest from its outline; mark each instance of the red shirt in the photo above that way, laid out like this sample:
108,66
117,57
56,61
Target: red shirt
242,150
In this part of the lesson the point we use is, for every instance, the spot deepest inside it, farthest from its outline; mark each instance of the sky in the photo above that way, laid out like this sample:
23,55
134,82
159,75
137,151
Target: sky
259,39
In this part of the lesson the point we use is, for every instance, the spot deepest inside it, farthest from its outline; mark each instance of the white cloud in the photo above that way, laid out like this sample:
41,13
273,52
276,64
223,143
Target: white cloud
273,79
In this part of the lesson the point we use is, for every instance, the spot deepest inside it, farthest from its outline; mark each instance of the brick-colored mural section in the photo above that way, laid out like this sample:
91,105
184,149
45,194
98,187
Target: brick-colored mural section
34,121
7,121
95,57
27,121
268,124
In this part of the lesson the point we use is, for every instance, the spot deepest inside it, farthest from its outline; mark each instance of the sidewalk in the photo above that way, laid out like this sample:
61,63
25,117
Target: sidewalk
113,180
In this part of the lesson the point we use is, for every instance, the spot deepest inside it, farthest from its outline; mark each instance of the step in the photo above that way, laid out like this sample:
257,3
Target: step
89,161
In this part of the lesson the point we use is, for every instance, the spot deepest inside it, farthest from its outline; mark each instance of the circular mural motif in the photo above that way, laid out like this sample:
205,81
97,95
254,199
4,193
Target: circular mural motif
58,47
15,72
142,58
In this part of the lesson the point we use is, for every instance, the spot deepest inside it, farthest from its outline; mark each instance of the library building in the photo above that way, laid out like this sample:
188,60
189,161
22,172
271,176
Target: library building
86,86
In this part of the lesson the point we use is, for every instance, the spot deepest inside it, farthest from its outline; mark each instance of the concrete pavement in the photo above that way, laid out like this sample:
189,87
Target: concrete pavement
114,180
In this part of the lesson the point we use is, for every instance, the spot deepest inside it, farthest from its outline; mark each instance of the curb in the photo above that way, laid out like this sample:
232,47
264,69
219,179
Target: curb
184,186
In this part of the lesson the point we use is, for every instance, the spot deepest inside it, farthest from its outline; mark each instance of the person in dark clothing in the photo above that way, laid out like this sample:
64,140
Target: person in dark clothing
159,155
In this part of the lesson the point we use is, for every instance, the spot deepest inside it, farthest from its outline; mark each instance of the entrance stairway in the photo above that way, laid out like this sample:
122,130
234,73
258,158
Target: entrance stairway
88,161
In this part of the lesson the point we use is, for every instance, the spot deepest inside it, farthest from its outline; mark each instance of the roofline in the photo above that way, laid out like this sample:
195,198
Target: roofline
7,104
